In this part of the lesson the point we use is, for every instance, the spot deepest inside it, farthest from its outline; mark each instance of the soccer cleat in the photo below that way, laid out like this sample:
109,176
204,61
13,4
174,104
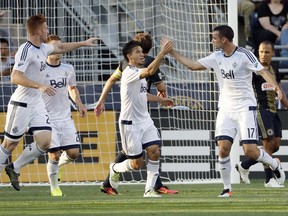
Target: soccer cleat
244,174
59,174
13,176
225,193
279,173
113,177
273,184
57,192
151,193
109,190
166,190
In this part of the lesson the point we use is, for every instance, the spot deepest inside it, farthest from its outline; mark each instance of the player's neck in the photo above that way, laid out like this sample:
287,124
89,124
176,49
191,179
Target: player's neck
229,49
53,62
35,40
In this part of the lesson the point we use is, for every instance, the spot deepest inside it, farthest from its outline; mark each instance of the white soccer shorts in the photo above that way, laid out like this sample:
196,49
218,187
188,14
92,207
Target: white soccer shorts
20,117
64,135
244,122
135,136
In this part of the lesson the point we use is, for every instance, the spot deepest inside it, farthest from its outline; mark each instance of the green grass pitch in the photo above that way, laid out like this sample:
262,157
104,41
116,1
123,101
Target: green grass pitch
193,199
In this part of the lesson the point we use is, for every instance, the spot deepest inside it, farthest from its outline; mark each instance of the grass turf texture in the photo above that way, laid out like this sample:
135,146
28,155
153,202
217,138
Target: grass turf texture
194,199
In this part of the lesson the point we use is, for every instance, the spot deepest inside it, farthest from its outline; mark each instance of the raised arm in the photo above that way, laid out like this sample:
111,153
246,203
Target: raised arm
107,88
152,68
189,63
75,96
67,47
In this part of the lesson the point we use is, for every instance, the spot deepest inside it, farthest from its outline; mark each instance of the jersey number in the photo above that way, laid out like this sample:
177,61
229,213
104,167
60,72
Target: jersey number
250,132
47,120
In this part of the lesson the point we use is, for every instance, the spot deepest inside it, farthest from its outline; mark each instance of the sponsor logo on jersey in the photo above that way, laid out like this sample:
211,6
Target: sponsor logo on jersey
143,88
58,84
228,75
267,87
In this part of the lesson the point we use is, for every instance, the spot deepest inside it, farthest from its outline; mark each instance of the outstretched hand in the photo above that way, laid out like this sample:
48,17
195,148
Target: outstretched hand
99,108
279,93
167,102
166,45
91,42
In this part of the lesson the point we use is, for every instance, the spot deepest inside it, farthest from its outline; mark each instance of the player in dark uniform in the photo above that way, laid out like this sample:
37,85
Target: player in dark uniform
269,124
146,45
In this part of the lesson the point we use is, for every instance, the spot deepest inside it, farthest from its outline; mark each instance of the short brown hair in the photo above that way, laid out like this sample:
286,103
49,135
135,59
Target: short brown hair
146,41
53,37
33,23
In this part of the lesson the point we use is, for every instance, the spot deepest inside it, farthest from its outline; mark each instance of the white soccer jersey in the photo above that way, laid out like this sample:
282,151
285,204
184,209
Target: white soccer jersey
59,77
133,96
31,60
234,74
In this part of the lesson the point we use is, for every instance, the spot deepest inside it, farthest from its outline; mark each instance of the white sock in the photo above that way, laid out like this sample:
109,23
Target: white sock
225,172
64,159
4,154
152,174
122,167
265,158
52,171
29,154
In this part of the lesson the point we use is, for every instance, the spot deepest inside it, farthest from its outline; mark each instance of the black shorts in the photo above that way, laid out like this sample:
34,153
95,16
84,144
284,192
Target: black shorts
269,124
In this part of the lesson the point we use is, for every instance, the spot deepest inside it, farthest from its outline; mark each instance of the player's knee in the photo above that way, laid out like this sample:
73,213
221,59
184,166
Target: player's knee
276,148
44,145
9,145
251,154
153,152
73,155
137,164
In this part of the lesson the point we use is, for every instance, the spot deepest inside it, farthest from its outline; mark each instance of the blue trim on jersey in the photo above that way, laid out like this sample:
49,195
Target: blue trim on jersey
25,51
248,142
16,103
155,142
250,56
12,136
134,156
51,150
224,137
32,129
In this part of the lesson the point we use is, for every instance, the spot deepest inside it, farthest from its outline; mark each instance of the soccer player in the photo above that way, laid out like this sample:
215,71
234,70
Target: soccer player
137,129
146,45
62,77
237,104
6,62
26,108
269,124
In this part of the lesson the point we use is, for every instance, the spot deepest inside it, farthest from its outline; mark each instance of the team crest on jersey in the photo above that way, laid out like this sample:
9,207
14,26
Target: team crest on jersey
43,66
15,129
47,76
66,73
270,132
234,65
256,64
